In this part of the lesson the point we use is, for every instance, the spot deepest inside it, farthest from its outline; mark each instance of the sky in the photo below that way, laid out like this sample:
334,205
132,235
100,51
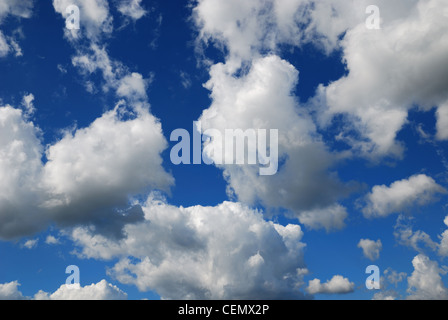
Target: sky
358,95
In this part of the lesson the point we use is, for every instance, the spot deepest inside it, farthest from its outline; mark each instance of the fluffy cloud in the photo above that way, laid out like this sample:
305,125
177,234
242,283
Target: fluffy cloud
426,283
99,291
443,247
371,249
10,291
304,181
223,252
390,71
337,285
89,175
20,170
401,195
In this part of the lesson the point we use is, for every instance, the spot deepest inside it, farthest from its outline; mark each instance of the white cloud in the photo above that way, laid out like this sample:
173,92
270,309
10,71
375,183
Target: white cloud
406,236
401,195
10,291
27,104
337,285
95,18
132,9
96,169
426,283
371,249
18,9
99,291
330,218
22,9
390,71
304,182
90,174
222,252
52,240
442,121
31,244
20,170
4,47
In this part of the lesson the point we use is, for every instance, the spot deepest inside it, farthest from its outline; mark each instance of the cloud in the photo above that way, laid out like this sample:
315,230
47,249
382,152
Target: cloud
304,181
425,283
337,285
401,195
406,236
331,218
31,244
89,177
10,291
95,19
99,291
132,9
391,71
4,47
223,252
20,171
18,9
371,249
52,240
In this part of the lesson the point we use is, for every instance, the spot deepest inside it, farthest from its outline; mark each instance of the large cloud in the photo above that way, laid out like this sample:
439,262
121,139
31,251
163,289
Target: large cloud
89,175
304,181
223,252
390,71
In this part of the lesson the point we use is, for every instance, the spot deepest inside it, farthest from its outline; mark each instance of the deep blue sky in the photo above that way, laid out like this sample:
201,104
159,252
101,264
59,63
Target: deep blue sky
163,52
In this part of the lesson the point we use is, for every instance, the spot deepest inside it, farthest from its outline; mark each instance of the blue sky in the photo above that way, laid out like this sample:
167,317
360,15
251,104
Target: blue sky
87,179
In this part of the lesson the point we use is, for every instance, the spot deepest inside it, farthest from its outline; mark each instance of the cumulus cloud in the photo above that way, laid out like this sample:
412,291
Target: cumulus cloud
304,181
20,170
337,285
52,240
99,291
96,291
371,249
89,176
390,71
401,195
426,283
223,252
10,291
